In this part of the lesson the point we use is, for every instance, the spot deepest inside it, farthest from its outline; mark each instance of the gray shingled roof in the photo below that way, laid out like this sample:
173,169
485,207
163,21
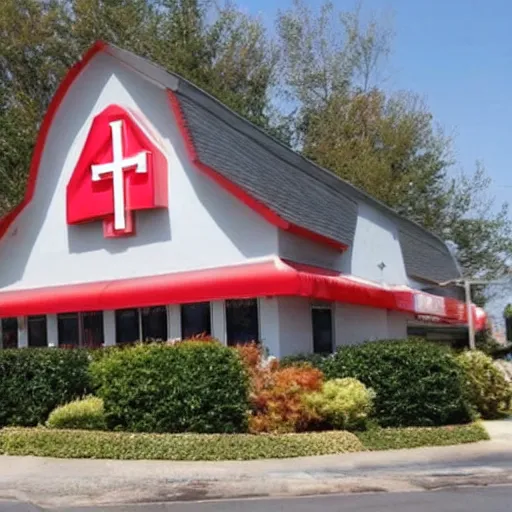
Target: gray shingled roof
293,194
296,189
424,256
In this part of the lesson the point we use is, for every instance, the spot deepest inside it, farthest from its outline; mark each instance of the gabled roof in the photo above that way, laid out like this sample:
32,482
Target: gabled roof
280,184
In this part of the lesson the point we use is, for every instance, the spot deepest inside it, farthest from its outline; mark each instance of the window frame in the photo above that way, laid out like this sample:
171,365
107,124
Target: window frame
256,301
323,307
140,321
2,320
79,340
210,310
38,317
80,315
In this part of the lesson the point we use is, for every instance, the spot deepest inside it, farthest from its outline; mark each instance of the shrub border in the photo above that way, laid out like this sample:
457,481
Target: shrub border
43,442
416,437
78,444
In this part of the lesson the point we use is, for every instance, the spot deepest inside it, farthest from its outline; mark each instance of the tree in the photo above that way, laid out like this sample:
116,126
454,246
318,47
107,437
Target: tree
386,144
482,238
218,48
33,55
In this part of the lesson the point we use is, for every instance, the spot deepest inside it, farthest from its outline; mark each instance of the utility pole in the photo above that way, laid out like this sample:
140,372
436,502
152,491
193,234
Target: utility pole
469,312
466,284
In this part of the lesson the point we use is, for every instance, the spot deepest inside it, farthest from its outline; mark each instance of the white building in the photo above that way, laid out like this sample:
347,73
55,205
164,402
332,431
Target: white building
153,211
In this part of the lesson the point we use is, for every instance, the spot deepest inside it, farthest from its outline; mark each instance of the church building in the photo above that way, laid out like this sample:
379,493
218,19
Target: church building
153,211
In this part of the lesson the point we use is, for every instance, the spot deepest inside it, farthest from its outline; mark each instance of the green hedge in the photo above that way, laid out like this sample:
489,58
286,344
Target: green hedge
417,383
415,437
122,445
35,381
188,387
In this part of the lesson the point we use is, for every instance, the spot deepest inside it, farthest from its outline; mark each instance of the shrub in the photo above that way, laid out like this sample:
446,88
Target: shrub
98,353
122,445
416,383
188,387
487,389
276,393
415,437
35,381
505,367
486,343
86,414
315,360
342,403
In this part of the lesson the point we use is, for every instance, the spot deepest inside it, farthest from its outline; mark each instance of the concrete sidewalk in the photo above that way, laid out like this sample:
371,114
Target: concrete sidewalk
63,482
500,430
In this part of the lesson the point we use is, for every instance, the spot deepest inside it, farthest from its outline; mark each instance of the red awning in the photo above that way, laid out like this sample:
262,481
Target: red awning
268,278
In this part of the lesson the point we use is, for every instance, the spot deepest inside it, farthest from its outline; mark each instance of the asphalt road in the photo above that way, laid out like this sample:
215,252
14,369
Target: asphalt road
489,499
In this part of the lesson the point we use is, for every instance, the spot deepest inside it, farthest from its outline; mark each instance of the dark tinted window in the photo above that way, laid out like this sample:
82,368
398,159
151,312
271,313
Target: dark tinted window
37,334
9,333
127,326
322,331
242,321
92,329
68,328
195,319
154,323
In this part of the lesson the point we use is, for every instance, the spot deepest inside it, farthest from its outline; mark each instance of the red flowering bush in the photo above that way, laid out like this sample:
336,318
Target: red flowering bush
276,394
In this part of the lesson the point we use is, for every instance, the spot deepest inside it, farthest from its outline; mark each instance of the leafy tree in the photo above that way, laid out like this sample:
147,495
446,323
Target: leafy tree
386,144
218,48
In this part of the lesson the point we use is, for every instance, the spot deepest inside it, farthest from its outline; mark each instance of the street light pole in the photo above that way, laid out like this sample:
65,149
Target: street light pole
469,313
466,284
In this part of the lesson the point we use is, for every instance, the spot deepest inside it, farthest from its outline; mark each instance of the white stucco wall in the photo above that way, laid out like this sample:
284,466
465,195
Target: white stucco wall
397,324
376,241
203,227
268,310
356,324
285,325
295,326
295,248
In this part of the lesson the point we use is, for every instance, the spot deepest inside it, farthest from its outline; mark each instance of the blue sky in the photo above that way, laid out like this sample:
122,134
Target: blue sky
457,54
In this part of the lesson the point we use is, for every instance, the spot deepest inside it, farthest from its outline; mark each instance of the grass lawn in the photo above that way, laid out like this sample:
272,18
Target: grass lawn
45,442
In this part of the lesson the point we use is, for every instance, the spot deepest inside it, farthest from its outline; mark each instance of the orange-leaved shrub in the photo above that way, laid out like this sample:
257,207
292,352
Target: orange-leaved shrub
276,394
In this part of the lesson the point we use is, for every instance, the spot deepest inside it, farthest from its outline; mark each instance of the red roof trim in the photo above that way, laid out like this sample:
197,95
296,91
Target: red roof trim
226,184
262,279
238,192
57,99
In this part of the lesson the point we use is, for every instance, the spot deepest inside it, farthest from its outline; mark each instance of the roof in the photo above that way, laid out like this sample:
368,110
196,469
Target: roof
277,181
